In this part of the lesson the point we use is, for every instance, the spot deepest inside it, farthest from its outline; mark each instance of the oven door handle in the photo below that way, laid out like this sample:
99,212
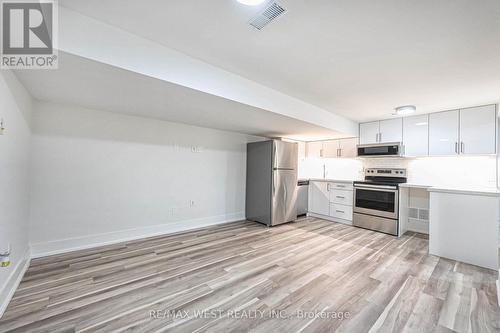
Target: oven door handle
376,187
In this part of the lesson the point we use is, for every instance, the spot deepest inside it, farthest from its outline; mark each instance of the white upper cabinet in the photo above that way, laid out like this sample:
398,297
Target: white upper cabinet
477,130
302,150
340,148
391,130
416,135
369,132
381,131
314,149
348,147
443,133
331,149
469,131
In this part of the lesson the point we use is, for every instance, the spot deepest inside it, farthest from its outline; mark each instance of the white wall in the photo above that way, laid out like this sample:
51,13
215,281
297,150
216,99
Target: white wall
100,177
15,109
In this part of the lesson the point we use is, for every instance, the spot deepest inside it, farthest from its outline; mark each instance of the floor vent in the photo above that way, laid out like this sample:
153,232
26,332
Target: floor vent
423,214
265,17
418,214
413,213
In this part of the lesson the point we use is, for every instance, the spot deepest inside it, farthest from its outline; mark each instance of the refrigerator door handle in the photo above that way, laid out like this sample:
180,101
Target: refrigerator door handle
274,183
275,157
284,196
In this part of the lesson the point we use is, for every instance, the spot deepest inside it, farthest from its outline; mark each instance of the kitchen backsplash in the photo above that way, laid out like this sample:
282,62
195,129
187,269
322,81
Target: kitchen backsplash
467,171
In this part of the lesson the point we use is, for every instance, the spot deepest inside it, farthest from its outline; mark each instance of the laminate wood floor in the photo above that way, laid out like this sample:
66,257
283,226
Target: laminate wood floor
309,276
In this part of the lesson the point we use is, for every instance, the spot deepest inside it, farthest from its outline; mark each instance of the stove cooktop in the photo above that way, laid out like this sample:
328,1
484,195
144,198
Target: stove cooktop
383,177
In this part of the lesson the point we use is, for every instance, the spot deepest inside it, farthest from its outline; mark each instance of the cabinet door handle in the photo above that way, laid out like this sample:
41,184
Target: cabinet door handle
380,137
341,186
339,211
340,197
462,147
321,153
456,147
328,187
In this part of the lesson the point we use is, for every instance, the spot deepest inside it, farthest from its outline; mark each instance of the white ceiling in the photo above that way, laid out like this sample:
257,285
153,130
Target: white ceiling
357,58
90,84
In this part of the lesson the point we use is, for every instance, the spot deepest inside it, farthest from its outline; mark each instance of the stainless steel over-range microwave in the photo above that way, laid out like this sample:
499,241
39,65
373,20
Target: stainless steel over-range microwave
393,149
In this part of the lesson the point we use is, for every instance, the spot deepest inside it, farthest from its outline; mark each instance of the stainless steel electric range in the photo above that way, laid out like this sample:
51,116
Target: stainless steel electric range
376,200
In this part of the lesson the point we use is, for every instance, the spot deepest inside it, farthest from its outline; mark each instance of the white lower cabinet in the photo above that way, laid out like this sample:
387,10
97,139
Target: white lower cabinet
341,186
343,197
331,199
319,198
339,211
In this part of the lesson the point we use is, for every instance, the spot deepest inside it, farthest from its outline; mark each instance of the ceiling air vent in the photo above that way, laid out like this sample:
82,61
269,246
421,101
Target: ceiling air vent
265,17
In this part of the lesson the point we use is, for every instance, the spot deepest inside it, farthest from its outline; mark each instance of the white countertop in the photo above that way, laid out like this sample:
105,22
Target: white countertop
414,185
487,191
471,190
331,180
467,190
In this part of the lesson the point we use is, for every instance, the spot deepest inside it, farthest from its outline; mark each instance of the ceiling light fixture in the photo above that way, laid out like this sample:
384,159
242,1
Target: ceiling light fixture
251,2
404,110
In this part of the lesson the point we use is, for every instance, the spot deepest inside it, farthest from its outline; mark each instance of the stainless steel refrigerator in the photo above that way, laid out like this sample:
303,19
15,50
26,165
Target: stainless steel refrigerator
271,191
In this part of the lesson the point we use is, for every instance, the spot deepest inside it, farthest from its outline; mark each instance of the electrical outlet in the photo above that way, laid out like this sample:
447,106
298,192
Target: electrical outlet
5,251
196,149
5,257
191,203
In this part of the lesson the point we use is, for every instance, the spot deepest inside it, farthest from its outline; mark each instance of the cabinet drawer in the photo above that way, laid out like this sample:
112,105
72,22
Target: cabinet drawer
343,197
341,186
341,211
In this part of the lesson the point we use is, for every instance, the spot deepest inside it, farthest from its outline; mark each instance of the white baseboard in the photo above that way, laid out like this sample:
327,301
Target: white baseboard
80,243
13,281
498,290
